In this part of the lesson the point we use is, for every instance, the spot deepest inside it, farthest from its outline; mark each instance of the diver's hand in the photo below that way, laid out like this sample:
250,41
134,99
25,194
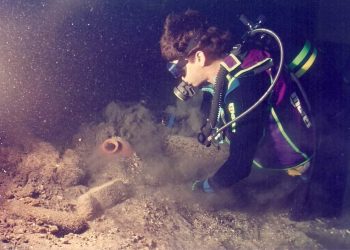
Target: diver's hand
202,186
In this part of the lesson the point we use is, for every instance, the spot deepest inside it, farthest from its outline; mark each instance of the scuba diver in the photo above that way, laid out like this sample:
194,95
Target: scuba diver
255,103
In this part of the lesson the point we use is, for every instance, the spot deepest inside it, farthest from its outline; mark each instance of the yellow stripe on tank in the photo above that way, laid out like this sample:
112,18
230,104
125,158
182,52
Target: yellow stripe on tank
307,64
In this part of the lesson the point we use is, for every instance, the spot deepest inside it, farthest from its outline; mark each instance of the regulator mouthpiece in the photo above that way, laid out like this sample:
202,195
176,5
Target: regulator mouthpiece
184,91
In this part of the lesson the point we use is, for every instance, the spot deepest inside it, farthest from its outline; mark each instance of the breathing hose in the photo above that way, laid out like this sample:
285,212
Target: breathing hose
268,91
206,130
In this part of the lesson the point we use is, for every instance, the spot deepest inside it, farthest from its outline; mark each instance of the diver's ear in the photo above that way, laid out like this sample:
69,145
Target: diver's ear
200,58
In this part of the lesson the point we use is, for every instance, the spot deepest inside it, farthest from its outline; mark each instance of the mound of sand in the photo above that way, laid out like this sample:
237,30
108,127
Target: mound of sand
79,199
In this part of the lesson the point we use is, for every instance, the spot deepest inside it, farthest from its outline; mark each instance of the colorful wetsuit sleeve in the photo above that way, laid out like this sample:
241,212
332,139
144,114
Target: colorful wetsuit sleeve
245,137
242,151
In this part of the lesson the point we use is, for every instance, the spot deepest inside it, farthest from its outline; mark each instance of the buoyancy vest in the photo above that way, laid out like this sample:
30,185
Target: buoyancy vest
288,140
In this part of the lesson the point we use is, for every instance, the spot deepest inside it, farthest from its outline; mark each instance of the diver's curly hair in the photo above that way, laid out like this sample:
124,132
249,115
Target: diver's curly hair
179,29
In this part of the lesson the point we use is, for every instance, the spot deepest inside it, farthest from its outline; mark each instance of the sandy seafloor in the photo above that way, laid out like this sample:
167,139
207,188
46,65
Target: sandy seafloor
78,198
62,62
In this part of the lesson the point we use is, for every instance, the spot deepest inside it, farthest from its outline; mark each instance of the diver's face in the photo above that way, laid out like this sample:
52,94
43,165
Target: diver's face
195,73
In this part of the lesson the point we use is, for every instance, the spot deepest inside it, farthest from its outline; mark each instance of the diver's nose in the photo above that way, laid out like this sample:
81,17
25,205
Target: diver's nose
185,80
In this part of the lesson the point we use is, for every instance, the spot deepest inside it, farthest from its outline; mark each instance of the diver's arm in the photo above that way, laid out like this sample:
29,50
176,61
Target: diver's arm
242,150
246,134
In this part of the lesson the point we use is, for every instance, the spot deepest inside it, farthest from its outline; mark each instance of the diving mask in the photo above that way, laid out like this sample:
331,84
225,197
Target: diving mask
178,69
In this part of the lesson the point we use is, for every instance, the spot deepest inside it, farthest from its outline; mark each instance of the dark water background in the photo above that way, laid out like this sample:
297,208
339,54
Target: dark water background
63,61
